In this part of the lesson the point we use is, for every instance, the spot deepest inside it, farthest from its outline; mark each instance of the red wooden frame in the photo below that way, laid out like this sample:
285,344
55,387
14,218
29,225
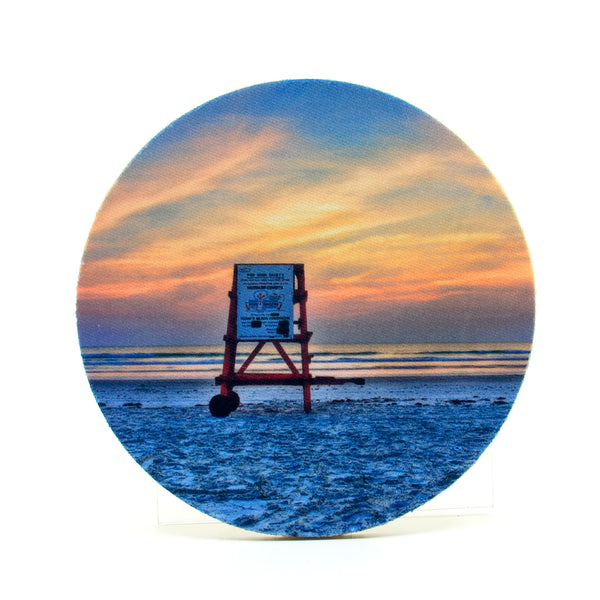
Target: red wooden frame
230,377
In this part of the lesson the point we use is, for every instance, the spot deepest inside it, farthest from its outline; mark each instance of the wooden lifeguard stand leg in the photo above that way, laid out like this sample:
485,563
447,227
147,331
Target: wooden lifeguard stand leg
230,338
304,336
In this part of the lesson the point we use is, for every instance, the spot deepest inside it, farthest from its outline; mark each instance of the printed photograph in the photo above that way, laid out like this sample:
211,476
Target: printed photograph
306,308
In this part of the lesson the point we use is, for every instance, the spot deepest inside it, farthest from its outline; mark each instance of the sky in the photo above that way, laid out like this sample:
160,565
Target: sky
404,233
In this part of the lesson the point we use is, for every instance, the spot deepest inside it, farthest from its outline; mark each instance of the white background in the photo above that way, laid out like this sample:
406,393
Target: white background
86,85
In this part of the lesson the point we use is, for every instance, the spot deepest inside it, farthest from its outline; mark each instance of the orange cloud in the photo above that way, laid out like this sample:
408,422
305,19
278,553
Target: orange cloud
195,167
390,227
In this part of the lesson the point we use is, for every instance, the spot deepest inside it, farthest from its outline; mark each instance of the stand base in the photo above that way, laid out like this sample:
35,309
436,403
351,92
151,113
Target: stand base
283,379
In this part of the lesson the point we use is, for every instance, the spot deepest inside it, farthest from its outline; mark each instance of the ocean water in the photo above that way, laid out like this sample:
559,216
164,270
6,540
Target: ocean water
365,454
361,360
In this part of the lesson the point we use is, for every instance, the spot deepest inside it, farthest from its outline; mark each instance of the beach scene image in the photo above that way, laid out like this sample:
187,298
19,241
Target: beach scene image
419,293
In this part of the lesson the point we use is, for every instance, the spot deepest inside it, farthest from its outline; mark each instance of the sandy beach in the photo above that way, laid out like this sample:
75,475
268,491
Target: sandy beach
364,456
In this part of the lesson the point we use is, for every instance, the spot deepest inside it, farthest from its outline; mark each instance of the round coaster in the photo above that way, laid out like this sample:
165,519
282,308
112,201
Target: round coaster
305,308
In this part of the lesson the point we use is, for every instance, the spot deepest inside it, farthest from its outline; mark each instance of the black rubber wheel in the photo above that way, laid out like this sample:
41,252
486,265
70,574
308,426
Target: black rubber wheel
220,406
234,400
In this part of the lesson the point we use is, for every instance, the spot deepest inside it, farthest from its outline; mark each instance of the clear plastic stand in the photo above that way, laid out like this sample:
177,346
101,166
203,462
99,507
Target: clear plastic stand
472,494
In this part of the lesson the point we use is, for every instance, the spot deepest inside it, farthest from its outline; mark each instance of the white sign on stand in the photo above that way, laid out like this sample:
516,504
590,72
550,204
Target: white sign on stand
265,302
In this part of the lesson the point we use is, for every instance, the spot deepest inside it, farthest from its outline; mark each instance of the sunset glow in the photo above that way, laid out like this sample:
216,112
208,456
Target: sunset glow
400,226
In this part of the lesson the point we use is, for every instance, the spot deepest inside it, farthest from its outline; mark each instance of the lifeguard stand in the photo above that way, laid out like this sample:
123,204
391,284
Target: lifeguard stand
267,304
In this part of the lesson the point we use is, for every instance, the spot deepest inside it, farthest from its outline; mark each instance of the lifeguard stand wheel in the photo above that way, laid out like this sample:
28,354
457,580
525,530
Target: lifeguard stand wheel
267,304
